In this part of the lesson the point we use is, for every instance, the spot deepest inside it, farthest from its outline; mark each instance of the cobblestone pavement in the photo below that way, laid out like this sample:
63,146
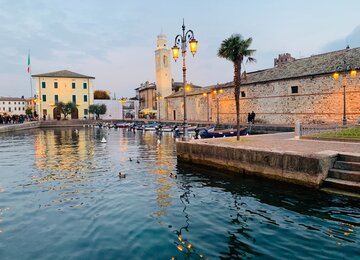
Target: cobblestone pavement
284,142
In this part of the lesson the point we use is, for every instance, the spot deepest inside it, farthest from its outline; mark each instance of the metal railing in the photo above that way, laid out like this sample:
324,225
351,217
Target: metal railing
336,130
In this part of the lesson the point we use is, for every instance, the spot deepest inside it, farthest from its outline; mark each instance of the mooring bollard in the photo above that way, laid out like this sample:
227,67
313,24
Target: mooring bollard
298,130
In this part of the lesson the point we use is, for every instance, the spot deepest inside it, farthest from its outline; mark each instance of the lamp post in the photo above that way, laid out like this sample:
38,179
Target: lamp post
343,69
205,94
158,98
182,40
216,93
122,101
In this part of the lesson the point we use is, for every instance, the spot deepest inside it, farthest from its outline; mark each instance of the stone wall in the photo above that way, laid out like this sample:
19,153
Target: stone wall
308,170
319,100
17,127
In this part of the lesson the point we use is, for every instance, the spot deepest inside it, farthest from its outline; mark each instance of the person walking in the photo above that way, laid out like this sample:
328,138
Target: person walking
253,117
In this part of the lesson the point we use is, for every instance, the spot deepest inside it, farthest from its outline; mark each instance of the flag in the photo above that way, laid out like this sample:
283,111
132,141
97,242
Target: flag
28,69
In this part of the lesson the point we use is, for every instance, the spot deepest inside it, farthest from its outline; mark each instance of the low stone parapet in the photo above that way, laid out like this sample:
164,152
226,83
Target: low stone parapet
17,127
308,170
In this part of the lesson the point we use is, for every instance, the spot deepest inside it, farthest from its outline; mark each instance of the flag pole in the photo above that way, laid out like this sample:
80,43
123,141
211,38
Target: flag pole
29,71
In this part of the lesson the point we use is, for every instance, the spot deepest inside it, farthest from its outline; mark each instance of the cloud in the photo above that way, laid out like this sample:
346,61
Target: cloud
353,40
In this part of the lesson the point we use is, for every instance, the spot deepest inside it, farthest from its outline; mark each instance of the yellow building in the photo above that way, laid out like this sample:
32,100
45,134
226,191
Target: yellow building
64,86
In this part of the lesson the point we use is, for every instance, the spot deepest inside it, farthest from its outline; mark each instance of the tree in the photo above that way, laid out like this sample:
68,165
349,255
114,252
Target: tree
66,109
28,111
98,109
235,49
101,94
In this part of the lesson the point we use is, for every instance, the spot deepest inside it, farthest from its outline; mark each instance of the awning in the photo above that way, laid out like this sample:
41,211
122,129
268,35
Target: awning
148,111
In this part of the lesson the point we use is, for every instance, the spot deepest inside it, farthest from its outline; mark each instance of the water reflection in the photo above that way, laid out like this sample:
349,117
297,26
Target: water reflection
252,206
65,162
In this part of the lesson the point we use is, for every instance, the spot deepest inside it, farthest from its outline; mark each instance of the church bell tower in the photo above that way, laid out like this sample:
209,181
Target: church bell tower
163,75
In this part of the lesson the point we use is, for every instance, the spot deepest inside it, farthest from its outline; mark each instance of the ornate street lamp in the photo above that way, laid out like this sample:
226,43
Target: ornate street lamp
182,40
343,69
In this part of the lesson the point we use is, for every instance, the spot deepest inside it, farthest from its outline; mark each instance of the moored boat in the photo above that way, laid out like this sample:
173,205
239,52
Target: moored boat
211,133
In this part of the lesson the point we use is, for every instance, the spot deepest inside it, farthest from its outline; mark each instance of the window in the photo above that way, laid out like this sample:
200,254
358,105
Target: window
9,109
84,85
243,94
294,89
73,85
56,98
43,84
44,98
15,108
23,103
74,99
86,111
85,98
23,108
55,85
9,102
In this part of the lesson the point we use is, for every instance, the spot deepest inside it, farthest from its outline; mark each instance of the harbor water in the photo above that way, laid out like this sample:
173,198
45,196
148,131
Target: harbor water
61,197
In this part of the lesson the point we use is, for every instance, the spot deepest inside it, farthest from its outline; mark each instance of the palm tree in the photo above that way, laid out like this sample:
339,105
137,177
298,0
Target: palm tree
236,49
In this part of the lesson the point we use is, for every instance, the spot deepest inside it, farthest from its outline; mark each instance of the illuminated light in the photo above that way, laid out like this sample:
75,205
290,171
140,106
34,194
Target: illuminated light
173,258
188,88
353,73
180,248
193,46
336,76
214,91
204,94
346,233
175,52
179,237
221,90
189,246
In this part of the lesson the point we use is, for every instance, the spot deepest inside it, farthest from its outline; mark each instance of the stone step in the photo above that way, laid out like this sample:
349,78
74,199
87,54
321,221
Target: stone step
344,175
341,192
342,185
349,166
348,158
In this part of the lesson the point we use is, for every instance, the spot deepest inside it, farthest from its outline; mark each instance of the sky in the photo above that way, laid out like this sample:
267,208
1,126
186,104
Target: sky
114,40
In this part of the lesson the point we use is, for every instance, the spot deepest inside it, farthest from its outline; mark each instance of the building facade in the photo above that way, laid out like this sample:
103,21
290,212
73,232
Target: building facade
120,109
13,106
147,97
63,86
299,90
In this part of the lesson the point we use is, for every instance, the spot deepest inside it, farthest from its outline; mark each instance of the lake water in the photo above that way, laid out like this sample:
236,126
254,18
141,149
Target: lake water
61,198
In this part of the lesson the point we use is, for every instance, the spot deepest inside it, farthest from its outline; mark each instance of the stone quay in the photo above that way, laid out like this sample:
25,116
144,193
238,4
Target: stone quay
276,156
